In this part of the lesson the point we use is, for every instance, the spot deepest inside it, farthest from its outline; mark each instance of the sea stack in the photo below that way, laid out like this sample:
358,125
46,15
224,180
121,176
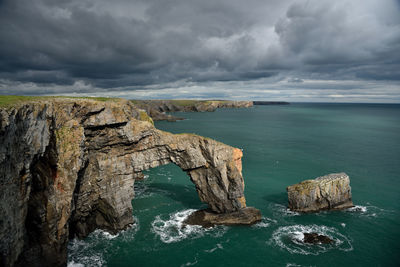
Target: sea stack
327,192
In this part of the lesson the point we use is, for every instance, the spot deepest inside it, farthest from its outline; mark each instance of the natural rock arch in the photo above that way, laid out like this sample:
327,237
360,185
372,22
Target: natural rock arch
67,166
213,167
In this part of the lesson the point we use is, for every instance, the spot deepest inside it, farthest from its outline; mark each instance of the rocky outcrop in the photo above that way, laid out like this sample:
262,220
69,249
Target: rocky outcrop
157,108
315,238
331,191
67,167
208,218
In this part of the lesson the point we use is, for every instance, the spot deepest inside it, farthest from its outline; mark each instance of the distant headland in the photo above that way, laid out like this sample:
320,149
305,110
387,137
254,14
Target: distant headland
157,108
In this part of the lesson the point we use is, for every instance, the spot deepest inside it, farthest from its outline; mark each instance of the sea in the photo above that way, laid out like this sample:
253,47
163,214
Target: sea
282,145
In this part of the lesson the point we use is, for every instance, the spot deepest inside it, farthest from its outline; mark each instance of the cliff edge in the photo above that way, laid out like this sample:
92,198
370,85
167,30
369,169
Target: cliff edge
67,167
157,108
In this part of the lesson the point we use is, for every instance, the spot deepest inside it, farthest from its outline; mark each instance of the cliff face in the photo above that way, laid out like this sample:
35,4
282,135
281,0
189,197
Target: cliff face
331,191
68,166
157,108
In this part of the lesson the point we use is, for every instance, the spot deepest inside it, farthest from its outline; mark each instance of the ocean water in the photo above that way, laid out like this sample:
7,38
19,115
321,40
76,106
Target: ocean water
282,145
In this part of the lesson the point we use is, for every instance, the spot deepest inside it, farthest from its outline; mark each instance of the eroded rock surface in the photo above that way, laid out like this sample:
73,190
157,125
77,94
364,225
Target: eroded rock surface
331,191
208,218
315,238
157,108
67,167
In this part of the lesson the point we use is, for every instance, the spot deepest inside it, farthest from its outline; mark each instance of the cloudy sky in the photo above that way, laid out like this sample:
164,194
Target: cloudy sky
315,50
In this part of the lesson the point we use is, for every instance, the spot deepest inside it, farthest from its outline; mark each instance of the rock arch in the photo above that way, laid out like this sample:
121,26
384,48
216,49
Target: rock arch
67,167
213,167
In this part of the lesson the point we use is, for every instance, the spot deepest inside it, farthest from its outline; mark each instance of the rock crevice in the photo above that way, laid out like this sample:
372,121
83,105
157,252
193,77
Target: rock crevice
67,167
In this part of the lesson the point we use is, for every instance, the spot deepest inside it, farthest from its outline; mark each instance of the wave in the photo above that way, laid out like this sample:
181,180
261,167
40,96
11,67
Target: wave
291,239
264,223
218,246
368,210
86,252
172,230
284,211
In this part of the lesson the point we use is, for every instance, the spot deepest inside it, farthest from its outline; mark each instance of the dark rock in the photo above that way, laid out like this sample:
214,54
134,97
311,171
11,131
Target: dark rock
207,218
314,238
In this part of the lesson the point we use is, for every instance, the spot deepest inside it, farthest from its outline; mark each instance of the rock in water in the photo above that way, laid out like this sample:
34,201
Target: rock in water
208,218
67,167
331,191
314,238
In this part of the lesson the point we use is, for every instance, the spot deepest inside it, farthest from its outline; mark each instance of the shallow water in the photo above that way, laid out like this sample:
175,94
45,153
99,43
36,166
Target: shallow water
282,145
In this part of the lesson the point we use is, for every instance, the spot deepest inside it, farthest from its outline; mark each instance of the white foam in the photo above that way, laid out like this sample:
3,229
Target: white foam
264,223
190,263
285,211
219,246
358,209
75,264
83,252
368,211
291,238
93,261
299,236
343,225
172,230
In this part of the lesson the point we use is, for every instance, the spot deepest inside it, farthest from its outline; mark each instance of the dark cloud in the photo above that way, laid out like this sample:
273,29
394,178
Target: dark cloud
97,45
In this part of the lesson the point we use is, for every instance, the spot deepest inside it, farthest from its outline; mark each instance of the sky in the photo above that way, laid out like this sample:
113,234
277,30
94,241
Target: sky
298,51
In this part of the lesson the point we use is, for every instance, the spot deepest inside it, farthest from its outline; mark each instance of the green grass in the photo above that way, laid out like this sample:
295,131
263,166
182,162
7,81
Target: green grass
9,100
185,102
181,102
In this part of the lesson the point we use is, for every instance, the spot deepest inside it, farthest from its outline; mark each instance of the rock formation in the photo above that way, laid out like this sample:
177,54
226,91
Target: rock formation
67,167
331,191
315,238
208,218
157,108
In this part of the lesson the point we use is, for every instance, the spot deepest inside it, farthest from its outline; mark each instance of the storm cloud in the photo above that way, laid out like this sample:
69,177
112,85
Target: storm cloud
284,50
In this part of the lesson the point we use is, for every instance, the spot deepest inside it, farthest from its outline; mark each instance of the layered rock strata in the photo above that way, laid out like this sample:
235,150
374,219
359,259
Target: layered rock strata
157,108
331,191
67,167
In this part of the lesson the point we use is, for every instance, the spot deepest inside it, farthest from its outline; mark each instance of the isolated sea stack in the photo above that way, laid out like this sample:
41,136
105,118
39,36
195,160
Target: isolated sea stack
327,192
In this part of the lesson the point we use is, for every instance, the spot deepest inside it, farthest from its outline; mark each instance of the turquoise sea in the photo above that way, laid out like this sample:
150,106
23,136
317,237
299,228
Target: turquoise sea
282,145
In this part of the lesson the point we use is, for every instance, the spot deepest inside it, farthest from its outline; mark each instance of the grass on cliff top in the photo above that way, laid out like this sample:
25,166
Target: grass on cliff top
9,100
182,102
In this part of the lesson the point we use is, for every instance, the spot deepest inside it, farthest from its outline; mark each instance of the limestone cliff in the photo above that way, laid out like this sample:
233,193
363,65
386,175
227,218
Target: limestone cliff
67,167
331,191
157,108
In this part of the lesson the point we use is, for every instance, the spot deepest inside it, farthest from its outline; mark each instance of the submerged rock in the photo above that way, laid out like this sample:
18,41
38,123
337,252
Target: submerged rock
207,218
331,191
314,238
67,167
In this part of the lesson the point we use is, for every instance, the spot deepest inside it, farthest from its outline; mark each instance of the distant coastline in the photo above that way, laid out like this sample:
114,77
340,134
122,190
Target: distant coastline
157,108
270,103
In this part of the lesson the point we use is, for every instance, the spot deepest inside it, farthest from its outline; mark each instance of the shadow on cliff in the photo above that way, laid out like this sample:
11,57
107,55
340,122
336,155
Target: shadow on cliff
185,194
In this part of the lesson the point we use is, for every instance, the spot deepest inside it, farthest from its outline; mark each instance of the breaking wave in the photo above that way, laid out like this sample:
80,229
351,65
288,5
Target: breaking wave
265,222
282,210
368,211
86,252
291,239
172,230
